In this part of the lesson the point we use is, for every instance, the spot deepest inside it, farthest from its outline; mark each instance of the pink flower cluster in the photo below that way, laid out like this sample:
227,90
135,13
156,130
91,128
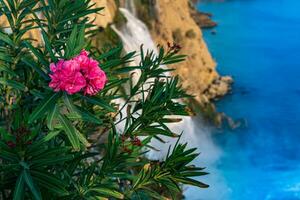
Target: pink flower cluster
79,73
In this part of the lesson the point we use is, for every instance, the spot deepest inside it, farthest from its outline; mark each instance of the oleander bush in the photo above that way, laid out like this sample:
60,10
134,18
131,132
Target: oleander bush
74,122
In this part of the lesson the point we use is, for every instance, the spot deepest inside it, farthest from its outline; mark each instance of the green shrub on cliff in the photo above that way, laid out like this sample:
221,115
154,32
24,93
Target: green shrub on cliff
66,141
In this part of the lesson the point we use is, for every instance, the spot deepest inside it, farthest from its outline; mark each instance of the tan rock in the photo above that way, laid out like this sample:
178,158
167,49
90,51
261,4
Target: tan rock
33,34
106,15
175,23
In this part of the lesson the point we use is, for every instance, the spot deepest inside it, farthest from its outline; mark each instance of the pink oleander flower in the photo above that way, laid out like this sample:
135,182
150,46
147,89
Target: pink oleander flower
79,73
66,76
95,78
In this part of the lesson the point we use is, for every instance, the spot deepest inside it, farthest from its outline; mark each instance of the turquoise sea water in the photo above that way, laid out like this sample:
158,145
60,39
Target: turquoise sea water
258,43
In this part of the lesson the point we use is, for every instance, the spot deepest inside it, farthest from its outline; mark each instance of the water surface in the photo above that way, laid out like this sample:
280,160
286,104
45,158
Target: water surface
258,43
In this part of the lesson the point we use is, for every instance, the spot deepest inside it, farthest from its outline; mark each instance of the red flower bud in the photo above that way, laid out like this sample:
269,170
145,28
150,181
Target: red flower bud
11,144
136,142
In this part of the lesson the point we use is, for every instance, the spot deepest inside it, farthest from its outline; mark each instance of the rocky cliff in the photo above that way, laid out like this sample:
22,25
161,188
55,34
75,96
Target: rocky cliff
108,14
174,23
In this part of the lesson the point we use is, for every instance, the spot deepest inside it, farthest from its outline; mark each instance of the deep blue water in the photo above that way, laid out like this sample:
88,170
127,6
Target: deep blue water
258,43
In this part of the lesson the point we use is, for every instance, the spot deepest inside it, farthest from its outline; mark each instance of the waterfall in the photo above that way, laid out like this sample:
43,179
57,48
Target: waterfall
130,6
133,34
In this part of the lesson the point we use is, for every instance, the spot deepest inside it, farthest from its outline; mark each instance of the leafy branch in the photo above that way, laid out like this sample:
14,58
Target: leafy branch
54,145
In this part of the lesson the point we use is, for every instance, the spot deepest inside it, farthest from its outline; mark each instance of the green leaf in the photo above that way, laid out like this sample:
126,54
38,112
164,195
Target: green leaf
153,194
111,52
7,13
80,40
6,154
70,131
50,182
72,39
51,135
33,188
5,38
78,113
84,115
126,69
69,103
19,188
5,135
155,131
51,116
43,107
34,66
82,139
108,192
190,181
192,173
38,54
51,161
6,69
5,57
99,102
12,83
48,46
75,42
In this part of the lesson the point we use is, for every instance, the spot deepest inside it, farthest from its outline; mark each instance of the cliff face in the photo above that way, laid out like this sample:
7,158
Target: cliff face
107,14
35,33
174,23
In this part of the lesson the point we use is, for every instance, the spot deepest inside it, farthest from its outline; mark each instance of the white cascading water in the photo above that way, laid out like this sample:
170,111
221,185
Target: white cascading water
130,6
133,34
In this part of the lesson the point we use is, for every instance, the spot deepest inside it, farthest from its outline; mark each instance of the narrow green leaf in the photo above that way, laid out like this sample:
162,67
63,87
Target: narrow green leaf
50,182
12,83
71,43
69,103
190,174
43,107
82,139
48,46
51,135
34,66
51,116
6,155
153,194
99,102
126,69
108,192
111,52
5,135
38,54
5,38
70,131
31,185
6,57
87,116
189,181
19,188
51,161
80,40
78,113
155,131
7,70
